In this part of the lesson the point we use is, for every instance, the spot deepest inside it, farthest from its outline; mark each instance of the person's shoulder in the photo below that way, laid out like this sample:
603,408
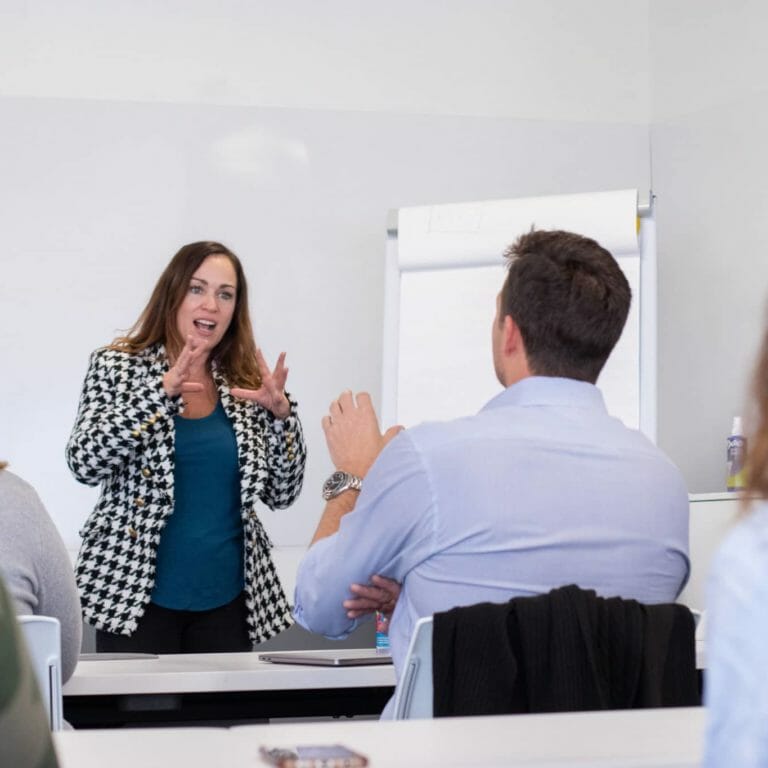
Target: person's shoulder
17,496
110,356
12,482
636,443
752,529
428,428
746,544
430,434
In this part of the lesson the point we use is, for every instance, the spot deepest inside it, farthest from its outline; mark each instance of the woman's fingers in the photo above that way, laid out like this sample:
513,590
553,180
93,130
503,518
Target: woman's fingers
191,386
270,394
276,377
186,351
264,369
280,374
255,395
189,354
176,379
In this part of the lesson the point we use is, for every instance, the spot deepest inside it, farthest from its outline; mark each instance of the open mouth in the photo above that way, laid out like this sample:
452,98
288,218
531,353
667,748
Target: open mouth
204,325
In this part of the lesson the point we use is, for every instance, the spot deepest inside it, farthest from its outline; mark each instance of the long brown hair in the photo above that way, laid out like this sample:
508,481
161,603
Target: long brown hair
235,354
757,461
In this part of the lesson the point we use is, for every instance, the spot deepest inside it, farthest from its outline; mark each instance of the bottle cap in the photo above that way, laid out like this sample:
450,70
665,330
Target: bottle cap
736,429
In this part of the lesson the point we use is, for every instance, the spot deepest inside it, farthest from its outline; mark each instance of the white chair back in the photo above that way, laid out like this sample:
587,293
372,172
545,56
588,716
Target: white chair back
43,638
414,691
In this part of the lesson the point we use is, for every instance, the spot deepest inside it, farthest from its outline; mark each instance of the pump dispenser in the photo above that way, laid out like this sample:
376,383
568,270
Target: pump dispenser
736,457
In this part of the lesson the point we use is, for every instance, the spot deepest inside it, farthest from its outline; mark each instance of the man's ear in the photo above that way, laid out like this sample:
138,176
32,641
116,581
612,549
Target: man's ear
514,354
513,340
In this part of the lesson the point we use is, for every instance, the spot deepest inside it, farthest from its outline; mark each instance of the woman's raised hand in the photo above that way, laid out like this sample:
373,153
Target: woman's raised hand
271,393
176,380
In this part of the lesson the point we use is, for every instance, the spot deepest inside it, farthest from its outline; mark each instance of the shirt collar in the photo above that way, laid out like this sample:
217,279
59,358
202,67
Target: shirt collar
549,390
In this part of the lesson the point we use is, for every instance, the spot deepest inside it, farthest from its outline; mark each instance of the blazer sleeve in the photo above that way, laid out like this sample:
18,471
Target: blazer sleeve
117,412
286,456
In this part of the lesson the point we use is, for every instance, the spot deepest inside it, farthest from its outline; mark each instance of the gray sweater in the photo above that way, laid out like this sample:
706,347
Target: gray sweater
35,565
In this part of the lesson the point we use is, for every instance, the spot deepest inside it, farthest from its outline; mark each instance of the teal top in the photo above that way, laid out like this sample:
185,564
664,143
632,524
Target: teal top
200,557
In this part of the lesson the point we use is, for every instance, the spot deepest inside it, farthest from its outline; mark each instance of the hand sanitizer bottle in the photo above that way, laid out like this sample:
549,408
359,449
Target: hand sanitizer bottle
382,633
737,454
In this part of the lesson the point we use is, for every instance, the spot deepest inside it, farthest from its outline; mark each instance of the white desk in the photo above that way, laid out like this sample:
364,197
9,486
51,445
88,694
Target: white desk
712,517
148,748
662,737
219,686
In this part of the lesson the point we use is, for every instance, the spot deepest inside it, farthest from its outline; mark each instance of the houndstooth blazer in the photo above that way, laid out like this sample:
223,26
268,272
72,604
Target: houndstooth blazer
124,439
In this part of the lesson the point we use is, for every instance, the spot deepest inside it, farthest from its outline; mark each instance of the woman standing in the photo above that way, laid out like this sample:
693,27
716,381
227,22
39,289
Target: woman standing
736,681
186,428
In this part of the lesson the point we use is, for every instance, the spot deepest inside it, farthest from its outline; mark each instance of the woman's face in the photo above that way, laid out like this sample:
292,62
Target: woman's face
207,308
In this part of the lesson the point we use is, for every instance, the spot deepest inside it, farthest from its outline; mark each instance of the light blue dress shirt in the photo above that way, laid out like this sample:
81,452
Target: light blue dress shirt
736,681
542,488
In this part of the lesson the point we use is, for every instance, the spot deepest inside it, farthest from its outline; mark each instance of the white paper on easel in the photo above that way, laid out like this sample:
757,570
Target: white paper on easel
452,268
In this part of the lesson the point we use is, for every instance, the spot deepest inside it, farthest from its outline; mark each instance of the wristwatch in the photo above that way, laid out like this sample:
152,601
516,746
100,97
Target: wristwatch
339,482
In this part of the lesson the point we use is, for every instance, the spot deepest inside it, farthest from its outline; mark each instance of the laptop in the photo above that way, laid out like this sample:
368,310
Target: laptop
334,658
115,656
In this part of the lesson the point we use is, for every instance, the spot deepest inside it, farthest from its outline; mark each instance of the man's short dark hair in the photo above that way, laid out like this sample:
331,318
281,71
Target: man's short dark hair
570,300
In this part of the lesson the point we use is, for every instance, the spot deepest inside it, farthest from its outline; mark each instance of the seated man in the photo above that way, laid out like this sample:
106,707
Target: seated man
540,489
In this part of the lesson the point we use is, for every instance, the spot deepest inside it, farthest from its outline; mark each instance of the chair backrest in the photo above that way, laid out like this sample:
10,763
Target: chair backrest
564,651
43,638
414,690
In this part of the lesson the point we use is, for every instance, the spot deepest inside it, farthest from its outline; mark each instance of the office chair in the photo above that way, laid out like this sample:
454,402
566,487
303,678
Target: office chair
43,637
414,691
653,661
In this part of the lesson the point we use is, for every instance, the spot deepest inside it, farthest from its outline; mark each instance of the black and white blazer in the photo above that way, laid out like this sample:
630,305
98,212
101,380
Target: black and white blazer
123,438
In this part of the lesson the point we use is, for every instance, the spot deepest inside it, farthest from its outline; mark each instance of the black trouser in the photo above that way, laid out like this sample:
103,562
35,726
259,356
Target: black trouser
163,630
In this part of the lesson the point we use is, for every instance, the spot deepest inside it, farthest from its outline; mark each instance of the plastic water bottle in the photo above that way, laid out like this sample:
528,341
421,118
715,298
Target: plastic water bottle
382,633
736,457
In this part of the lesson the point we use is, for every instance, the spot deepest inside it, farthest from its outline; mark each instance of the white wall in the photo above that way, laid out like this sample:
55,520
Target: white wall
710,165
539,59
287,131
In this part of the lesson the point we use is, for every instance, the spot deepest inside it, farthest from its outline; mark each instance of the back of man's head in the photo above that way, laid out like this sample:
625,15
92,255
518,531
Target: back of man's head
570,300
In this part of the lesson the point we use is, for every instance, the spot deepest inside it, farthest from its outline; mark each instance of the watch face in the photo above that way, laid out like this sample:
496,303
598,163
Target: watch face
333,484
335,481
339,482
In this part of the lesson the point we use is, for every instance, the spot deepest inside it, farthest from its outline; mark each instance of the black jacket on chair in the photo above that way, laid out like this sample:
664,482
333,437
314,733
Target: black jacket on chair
564,651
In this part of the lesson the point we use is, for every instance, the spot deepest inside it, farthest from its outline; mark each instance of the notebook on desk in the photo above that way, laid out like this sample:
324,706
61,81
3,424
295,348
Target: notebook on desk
337,658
